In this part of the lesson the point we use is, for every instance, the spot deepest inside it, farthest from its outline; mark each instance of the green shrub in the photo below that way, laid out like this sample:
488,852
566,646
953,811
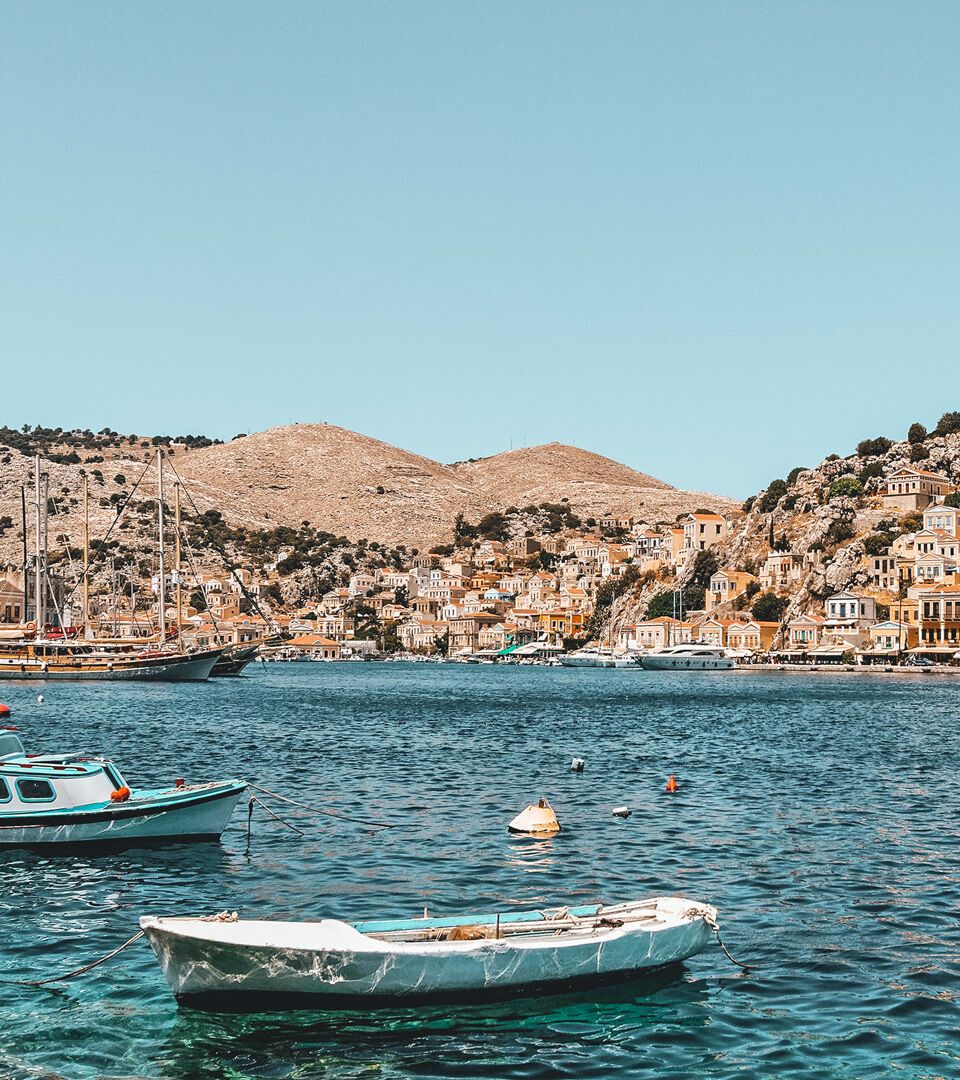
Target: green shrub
840,531
794,473
918,452
916,434
877,543
846,486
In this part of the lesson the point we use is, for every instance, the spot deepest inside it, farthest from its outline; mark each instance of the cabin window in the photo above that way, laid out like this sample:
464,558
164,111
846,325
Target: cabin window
35,790
4,791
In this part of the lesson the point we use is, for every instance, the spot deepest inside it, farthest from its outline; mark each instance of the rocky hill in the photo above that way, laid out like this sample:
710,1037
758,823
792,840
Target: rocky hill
832,515
594,485
353,485
339,481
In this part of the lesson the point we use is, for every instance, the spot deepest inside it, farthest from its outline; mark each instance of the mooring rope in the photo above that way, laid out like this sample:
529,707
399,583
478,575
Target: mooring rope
316,810
260,802
78,971
711,920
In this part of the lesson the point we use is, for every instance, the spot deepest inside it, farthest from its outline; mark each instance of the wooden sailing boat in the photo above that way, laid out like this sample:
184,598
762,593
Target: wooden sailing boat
50,655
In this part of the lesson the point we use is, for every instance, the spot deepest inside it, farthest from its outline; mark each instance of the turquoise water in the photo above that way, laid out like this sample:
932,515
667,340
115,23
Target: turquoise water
817,812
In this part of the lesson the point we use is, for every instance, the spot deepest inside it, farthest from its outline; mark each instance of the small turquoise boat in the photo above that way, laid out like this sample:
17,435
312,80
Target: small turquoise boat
76,800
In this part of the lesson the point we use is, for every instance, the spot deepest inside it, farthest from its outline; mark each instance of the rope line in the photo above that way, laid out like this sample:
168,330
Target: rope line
316,810
711,920
113,525
79,971
260,802
221,551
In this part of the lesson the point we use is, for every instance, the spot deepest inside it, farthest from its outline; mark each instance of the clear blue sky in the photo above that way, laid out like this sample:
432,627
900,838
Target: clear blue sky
712,240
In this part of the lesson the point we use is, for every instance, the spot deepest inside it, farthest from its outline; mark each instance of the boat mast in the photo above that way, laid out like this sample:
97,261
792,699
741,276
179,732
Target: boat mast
163,591
86,556
40,612
24,611
176,490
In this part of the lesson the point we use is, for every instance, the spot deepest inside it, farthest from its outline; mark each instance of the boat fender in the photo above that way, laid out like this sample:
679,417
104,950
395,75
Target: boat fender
4,710
120,795
39,699
622,811
577,764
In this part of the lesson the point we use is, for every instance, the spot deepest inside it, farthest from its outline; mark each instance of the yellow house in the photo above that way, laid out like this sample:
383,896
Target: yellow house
727,585
702,531
892,636
755,635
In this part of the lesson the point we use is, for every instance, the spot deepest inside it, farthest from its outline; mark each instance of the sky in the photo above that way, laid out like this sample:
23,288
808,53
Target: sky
710,240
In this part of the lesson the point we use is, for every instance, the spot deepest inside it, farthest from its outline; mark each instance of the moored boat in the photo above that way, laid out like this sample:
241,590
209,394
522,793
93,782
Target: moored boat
234,659
223,961
79,660
690,656
73,799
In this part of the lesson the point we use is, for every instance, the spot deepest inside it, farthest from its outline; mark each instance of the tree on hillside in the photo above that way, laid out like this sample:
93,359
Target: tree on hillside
949,423
953,499
873,447
768,607
916,434
705,565
663,605
776,489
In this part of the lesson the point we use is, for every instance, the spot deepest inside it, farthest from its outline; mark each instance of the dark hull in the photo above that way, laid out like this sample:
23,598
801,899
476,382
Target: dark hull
234,661
191,668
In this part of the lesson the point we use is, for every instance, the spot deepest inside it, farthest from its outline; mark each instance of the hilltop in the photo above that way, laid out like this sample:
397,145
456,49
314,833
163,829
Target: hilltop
339,481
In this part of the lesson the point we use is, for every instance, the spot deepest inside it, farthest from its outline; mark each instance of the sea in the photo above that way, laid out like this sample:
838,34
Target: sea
817,812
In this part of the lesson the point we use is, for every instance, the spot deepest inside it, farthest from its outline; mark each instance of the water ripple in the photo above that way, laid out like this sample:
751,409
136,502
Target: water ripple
814,812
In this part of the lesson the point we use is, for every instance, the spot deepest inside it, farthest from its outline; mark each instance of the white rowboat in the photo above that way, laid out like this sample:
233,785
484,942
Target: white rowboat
223,961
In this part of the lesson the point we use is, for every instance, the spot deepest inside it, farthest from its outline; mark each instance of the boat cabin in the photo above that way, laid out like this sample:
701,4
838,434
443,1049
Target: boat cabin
44,784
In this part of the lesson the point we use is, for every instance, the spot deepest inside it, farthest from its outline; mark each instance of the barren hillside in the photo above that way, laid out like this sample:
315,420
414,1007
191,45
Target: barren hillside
341,482
338,480
594,485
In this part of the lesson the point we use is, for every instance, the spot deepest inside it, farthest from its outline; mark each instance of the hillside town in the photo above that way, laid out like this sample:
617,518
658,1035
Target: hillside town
878,583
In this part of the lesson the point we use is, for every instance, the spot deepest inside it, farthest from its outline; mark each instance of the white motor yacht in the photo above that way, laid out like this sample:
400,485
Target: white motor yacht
690,656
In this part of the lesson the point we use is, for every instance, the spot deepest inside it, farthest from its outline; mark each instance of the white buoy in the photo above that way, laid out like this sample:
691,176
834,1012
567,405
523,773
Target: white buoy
539,820
577,764
39,699
622,811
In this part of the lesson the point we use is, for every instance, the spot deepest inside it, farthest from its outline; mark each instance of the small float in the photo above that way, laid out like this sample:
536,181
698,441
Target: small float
223,961
75,799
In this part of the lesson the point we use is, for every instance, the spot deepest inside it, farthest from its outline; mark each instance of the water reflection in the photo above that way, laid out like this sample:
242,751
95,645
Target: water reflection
398,1038
531,854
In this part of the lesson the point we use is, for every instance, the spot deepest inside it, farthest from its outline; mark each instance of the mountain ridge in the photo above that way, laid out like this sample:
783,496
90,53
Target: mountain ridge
339,480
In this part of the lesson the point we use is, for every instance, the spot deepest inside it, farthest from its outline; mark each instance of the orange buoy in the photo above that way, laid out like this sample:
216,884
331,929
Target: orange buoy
120,795
672,784
4,710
